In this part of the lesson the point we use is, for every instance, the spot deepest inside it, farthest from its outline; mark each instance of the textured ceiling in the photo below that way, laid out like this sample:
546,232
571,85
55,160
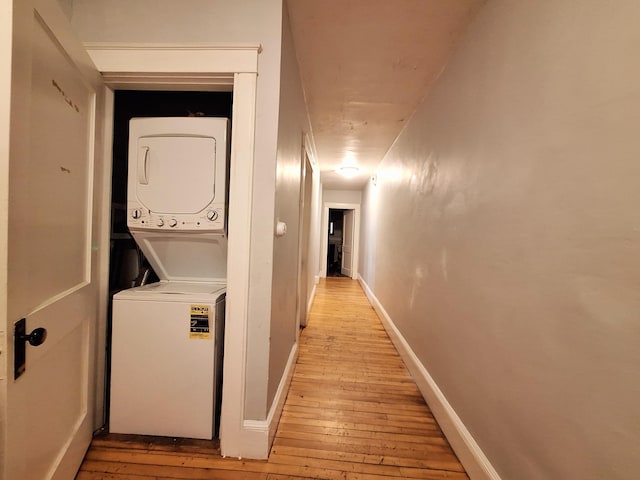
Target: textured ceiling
365,66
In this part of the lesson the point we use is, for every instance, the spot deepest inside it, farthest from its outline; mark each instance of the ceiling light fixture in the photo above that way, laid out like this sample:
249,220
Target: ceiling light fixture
348,170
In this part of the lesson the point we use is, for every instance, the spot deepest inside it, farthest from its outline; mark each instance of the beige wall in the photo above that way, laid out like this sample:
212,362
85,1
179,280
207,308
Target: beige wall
341,196
292,125
508,215
370,222
67,7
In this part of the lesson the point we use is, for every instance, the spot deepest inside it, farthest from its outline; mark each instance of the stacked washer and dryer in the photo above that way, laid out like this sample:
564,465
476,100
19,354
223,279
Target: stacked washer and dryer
167,337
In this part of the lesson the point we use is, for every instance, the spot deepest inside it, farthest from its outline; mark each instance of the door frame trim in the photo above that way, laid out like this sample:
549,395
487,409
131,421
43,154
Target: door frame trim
356,234
209,67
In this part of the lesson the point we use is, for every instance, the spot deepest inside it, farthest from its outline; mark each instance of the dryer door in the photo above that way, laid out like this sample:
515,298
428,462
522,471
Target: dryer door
175,174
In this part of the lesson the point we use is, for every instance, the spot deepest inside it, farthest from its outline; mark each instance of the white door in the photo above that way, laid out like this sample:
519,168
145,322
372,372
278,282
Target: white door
303,239
347,243
48,125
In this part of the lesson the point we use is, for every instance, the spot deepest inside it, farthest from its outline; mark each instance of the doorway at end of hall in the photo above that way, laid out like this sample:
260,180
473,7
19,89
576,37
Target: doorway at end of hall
339,243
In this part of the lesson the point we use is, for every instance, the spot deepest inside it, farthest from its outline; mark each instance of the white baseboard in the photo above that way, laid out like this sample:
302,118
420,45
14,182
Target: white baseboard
468,451
281,394
257,435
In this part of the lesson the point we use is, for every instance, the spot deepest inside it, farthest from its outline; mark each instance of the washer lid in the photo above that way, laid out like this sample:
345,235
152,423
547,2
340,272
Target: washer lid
182,288
185,256
175,292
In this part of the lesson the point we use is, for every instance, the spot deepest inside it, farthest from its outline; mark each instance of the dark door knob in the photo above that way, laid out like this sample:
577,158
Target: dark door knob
35,338
20,339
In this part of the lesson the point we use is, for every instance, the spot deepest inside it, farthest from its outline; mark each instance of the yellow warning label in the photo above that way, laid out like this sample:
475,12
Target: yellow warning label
200,322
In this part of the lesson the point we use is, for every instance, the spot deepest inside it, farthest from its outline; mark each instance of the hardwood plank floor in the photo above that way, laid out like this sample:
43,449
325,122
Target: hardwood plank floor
352,413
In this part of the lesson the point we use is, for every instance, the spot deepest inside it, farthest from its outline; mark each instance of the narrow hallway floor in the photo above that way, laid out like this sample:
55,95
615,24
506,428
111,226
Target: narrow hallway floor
353,408
352,413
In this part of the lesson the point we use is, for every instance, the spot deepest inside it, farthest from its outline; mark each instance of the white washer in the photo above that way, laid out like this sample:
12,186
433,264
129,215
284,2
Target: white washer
167,359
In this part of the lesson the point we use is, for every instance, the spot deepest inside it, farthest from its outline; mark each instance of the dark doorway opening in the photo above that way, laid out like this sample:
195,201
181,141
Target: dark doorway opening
334,244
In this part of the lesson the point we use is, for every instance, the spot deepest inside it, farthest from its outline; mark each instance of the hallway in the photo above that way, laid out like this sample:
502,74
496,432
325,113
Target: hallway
352,412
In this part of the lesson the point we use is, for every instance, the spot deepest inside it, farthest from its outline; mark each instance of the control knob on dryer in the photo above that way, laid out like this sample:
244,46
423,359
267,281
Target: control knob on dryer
212,215
173,222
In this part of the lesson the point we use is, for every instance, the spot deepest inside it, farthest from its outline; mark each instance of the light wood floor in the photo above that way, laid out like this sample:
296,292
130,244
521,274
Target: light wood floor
352,413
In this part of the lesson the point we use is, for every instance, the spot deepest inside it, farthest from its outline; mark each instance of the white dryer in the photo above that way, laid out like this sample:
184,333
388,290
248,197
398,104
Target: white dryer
167,337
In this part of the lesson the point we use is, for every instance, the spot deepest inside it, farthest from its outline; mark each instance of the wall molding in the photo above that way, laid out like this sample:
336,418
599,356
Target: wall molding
258,435
190,58
471,456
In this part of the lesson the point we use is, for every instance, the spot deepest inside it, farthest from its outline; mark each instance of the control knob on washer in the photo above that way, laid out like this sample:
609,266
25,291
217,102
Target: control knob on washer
212,215
136,213
173,222
160,222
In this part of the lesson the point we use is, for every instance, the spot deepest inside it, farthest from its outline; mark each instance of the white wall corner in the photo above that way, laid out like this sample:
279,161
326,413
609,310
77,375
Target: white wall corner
258,435
311,297
473,459
254,439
